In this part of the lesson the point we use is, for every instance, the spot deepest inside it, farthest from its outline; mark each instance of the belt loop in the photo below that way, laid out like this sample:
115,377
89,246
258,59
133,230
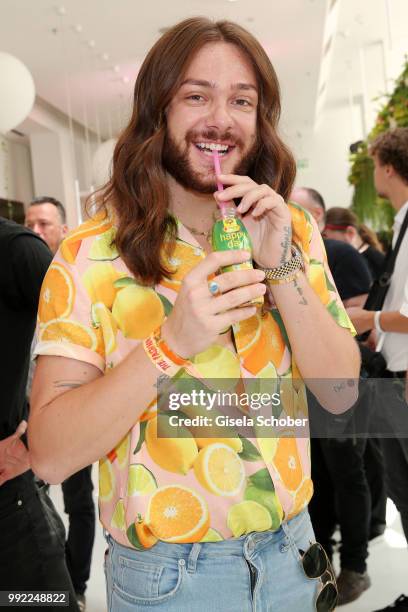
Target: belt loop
192,558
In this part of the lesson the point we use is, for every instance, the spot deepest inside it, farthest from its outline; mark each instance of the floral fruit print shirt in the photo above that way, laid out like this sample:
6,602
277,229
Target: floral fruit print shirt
182,489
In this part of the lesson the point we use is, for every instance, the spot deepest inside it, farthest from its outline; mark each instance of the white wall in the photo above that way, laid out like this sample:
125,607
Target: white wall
60,154
326,153
16,180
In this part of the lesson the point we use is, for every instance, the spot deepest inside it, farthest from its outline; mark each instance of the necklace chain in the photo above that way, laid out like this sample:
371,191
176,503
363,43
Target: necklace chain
197,232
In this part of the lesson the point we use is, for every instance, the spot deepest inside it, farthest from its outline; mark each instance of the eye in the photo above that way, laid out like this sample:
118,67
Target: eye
195,98
242,102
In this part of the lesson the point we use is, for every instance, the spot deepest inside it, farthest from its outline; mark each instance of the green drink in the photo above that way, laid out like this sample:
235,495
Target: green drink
229,233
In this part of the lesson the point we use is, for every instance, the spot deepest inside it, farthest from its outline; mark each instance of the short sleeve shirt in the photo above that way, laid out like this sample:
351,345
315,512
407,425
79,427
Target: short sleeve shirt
185,489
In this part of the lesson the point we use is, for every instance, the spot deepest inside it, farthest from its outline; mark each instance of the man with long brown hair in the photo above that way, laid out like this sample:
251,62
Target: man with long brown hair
193,522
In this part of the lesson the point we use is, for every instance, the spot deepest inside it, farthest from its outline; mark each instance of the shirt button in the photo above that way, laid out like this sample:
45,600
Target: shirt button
19,503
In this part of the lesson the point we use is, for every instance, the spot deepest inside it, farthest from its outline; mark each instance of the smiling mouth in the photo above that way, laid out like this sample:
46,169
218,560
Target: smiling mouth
208,147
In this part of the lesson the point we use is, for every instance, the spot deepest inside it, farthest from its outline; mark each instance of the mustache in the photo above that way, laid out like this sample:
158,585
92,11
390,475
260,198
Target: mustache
212,134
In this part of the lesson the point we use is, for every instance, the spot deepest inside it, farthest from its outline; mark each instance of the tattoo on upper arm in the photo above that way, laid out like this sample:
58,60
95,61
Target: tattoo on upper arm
68,384
286,244
303,301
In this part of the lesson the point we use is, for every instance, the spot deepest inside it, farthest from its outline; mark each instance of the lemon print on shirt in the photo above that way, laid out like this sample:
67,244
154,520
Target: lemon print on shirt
138,311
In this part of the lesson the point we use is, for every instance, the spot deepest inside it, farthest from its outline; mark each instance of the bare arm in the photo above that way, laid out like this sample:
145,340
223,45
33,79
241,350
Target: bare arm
392,321
78,415
357,300
322,349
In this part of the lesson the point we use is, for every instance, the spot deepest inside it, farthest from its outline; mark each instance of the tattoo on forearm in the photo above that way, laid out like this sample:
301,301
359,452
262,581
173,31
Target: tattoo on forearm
68,384
303,301
343,385
286,243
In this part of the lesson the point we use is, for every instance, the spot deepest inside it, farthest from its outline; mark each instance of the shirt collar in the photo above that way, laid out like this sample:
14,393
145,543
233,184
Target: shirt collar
399,217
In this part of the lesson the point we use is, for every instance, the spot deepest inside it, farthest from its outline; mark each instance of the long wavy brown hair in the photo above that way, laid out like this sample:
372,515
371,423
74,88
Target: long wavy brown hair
138,190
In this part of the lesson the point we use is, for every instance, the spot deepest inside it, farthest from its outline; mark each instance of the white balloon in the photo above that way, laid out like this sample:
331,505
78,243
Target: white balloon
102,163
17,92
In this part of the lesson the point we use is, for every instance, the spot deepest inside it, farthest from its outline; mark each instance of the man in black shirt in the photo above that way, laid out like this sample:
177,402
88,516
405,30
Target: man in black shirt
32,535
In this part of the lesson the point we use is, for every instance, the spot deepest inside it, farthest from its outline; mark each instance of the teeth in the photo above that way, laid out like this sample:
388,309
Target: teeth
212,146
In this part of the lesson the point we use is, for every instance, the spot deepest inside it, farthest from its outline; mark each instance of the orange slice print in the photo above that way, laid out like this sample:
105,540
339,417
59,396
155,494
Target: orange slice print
71,245
269,348
177,514
302,497
287,463
65,330
57,294
247,334
184,258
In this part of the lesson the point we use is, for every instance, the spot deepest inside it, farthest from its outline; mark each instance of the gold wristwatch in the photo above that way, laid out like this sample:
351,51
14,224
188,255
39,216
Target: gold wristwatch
288,271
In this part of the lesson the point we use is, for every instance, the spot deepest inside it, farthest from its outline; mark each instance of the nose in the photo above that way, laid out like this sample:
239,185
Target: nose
219,116
37,229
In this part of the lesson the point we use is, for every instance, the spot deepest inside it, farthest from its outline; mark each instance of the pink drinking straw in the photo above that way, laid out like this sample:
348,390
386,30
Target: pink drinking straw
217,166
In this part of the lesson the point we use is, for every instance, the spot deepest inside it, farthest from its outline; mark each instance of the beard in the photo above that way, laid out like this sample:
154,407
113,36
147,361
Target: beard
177,163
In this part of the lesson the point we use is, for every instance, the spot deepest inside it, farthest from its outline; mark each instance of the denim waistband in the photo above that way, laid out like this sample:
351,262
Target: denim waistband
226,548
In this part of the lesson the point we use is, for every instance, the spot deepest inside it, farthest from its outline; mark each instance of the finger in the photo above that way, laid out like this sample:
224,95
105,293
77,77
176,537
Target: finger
212,263
263,206
253,196
234,179
238,278
236,298
21,429
236,191
227,319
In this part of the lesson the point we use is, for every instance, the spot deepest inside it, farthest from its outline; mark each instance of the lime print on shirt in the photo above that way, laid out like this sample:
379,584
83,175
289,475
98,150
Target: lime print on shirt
187,488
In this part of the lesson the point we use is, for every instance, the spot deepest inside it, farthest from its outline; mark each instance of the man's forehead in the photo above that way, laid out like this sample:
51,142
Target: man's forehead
216,63
213,84
45,210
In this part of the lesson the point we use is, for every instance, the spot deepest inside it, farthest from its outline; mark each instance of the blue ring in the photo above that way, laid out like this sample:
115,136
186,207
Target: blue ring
213,288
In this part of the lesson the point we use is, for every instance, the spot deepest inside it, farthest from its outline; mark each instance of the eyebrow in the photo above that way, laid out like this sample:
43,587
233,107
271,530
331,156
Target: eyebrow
235,86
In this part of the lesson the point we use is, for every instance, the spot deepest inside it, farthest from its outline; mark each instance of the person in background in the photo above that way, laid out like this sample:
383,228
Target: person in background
342,257
388,326
32,535
184,536
46,216
342,224
342,492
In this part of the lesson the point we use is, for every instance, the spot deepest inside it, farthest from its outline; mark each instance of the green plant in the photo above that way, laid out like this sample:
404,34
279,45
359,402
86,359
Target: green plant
369,208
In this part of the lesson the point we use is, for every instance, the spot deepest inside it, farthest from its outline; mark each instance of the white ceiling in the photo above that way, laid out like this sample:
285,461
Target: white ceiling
84,54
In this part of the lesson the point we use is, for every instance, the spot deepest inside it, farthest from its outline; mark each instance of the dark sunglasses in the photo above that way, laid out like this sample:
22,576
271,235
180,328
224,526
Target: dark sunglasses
316,564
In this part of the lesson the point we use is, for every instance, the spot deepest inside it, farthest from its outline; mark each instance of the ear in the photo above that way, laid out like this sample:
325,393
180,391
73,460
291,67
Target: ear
64,230
389,171
351,231
318,213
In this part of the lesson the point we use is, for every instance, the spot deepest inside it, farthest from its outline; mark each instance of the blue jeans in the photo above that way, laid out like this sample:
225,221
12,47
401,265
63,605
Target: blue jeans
260,571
